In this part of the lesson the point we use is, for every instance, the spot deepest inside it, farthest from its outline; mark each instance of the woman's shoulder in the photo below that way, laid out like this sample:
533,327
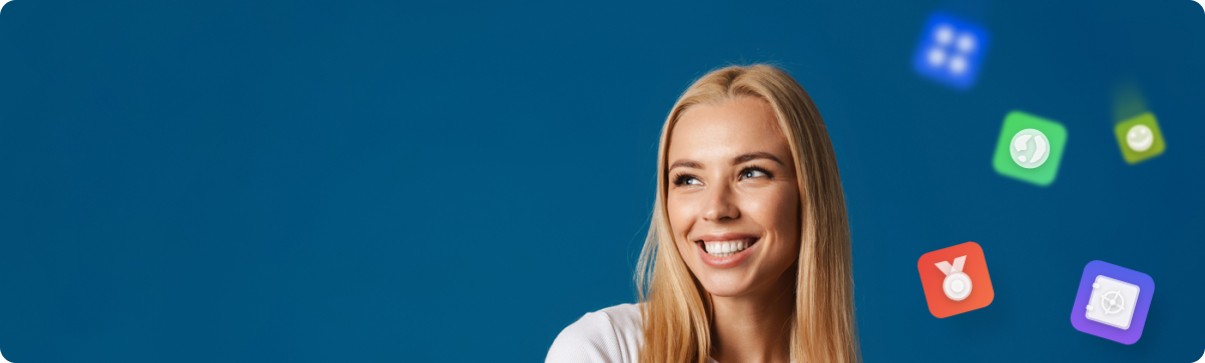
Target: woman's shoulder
611,335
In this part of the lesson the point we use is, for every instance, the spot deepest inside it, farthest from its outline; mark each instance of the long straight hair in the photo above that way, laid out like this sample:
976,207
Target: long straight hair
676,309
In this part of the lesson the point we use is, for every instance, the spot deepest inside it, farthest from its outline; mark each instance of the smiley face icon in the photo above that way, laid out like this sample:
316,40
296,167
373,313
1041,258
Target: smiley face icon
1139,138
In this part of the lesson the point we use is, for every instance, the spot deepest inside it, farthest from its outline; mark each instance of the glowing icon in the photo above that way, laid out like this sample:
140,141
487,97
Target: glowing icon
1112,302
950,51
946,276
1139,138
1020,148
1030,148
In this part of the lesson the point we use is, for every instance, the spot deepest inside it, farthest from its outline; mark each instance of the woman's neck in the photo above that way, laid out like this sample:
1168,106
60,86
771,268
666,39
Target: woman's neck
754,327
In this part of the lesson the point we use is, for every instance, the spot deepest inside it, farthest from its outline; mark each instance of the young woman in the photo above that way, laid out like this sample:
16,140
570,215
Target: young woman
748,257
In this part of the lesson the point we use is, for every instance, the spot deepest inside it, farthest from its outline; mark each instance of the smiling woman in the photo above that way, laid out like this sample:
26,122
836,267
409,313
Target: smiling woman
748,255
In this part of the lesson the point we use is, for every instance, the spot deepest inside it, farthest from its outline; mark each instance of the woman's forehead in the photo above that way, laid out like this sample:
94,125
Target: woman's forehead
728,128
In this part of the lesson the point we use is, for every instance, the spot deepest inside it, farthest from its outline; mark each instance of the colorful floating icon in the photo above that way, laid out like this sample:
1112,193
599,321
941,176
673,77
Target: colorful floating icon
1030,148
955,279
1139,138
950,51
1112,302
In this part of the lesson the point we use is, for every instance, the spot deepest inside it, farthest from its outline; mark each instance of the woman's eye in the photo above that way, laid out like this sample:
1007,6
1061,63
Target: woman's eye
754,173
687,180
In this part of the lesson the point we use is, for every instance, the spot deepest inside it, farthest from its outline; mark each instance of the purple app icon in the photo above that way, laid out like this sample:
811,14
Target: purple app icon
1112,302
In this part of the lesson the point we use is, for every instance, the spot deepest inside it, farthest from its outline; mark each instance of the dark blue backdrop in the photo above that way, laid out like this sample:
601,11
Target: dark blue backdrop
304,181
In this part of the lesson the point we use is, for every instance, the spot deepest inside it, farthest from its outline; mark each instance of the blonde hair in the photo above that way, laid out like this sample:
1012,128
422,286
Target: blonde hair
676,310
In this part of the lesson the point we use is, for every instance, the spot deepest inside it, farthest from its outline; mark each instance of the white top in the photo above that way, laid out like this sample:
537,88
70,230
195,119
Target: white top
611,335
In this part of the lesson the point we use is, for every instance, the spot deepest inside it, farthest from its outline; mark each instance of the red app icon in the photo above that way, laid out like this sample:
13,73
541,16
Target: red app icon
955,279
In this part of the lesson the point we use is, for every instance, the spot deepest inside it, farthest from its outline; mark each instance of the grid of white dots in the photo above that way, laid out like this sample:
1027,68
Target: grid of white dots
951,48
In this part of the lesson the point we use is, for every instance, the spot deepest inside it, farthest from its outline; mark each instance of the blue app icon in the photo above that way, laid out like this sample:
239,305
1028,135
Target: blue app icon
950,51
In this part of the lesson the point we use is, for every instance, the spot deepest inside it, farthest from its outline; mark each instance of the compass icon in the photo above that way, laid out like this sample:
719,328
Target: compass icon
1112,302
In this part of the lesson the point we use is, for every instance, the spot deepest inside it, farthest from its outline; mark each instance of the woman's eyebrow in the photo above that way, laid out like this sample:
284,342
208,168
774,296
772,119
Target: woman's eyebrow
755,156
686,164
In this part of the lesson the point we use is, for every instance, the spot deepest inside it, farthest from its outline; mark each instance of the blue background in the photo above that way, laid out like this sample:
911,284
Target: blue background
304,181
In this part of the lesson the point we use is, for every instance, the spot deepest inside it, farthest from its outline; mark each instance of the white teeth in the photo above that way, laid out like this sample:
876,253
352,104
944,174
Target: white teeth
725,248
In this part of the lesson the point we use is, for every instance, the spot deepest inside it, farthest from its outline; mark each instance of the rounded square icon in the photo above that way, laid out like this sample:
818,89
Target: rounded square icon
1030,148
1139,138
1112,302
950,51
955,279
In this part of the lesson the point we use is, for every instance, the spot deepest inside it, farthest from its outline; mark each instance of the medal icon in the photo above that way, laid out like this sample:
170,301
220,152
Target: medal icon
957,284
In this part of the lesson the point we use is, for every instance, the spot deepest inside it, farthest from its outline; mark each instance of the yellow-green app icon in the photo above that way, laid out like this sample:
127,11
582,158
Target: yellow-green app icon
1030,148
1139,138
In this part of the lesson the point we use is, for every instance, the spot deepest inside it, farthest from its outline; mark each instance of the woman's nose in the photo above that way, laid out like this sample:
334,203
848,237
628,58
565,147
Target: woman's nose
720,205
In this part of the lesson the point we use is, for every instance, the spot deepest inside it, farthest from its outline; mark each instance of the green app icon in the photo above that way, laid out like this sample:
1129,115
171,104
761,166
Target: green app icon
1139,138
1030,148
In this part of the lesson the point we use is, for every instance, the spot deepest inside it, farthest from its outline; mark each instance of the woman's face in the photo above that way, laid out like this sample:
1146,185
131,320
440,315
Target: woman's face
732,198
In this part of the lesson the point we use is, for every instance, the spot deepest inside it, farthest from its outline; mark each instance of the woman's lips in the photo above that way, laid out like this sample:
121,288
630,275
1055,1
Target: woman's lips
725,251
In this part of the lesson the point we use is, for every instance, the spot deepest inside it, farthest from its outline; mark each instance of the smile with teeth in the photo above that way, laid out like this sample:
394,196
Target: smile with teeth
727,248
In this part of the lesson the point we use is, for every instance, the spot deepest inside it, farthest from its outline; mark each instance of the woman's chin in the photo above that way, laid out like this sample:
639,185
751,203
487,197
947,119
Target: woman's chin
725,284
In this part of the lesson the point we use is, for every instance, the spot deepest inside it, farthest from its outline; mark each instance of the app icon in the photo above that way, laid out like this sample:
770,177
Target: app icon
1139,138
950,51
1029,148
955,279
1112,302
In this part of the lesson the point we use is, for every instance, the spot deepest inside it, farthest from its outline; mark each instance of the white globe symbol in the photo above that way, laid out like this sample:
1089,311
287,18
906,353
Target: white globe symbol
1112,302
1029,148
